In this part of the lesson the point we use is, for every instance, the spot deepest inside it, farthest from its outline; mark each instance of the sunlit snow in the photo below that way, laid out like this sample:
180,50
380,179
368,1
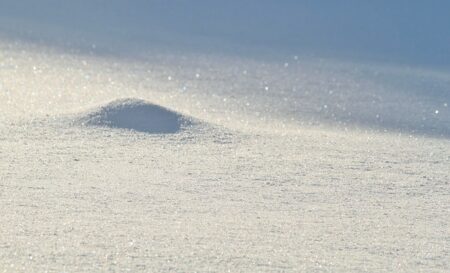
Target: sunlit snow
224,136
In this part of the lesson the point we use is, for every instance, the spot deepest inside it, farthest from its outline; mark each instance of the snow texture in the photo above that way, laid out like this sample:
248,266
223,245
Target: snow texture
134,114
322,145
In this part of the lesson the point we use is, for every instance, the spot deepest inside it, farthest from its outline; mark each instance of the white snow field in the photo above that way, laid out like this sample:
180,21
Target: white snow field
201,136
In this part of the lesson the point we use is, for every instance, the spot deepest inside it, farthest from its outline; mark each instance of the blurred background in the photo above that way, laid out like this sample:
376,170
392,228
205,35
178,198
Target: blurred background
402,32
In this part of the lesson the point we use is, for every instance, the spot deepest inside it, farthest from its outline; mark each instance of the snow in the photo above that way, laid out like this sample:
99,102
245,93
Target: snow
248,139
134,114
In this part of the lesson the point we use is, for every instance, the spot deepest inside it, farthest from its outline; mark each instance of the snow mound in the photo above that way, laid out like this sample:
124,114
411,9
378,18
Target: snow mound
135,114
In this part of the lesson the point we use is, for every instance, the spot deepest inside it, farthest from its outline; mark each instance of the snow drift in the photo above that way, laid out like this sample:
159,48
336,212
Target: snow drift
135,114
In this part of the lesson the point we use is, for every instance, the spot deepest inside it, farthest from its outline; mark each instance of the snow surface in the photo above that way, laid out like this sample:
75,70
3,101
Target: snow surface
134,114
141,143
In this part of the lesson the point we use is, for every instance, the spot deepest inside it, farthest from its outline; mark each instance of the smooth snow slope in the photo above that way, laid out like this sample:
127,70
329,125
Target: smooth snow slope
411,32
274,161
